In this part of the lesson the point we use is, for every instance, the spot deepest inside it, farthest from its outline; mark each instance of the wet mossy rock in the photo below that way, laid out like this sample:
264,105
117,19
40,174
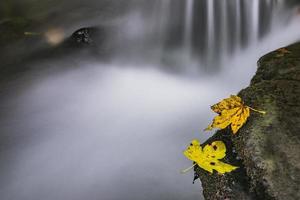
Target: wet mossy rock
13,29
267,147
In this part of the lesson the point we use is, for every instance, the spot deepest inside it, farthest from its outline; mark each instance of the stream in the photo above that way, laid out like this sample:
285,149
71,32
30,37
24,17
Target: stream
77,128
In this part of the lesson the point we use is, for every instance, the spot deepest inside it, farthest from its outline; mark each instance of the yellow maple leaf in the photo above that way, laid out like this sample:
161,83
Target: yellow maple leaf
208,158
232,111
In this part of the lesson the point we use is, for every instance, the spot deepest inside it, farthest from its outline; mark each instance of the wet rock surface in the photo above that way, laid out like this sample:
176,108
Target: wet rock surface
90,42
267,147
12,30
87,37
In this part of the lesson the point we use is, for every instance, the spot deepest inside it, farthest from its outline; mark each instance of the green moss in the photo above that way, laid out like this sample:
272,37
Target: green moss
13,29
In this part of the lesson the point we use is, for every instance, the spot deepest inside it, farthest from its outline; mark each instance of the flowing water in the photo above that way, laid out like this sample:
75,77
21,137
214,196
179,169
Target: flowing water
75,128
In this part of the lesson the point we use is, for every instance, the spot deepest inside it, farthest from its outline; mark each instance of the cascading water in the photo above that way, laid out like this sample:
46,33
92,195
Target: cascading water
74,129
237,24
255,20
224,26
209,31
188,28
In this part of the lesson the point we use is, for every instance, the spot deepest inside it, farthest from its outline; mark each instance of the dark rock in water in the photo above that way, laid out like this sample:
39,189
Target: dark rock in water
267,147
89,41
86,43
86,37
82,36
92,39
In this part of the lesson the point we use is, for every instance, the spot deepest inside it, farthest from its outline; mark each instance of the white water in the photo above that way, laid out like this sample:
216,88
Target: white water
210,29
224,29
114,131
188,29
238,24
255,20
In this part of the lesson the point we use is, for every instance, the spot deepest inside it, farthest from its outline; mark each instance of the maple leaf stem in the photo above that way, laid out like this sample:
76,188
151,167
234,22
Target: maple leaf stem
259,111
187,169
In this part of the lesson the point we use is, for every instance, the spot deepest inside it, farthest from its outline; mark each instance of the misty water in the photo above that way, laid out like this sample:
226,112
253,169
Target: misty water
78,128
